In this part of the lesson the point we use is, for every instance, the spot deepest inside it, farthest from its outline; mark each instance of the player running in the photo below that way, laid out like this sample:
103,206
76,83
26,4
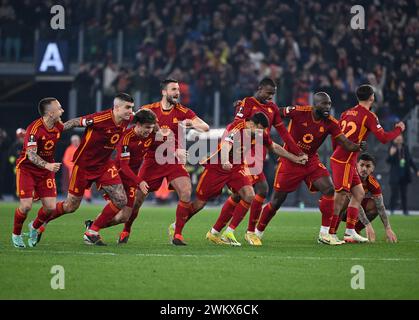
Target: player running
260,102
235,174
131,149
356,123
166,157
373,203
309,126
92,163
36,167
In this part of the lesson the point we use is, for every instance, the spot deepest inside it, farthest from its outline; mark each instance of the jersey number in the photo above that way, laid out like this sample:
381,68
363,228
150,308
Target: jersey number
351,125
113,171
132,192
51,183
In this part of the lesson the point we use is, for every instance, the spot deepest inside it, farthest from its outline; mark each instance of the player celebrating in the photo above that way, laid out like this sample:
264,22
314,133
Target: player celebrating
92,163
356,123
260,102
235,175
131,149
36,167
309,126
372,205
171,117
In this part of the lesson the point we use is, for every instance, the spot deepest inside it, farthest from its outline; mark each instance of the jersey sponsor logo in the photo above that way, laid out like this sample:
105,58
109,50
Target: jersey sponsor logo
308,138
49,145
175,120
270,110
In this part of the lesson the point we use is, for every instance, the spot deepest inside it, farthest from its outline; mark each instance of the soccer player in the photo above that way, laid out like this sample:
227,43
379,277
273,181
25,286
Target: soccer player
131,149
372,205
172,117
234,174
36,167
260,102
309,126
92,163
356,123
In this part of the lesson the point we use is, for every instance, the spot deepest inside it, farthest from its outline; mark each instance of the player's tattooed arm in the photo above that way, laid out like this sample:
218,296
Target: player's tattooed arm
41,163
363,217
117,195
77,122
225,152
349,145
379,203
280,151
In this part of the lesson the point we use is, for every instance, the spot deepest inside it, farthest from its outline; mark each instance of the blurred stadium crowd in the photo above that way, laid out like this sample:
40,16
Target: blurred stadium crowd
228,46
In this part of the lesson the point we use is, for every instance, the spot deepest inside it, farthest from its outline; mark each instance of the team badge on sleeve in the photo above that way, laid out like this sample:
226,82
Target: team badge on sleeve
32,141
230,138
87,122
125,152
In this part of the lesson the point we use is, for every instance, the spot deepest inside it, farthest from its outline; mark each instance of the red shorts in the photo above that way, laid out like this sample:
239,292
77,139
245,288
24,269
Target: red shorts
345,176
154,173
258,178
130,190
82,179
213,180
289,175
29,183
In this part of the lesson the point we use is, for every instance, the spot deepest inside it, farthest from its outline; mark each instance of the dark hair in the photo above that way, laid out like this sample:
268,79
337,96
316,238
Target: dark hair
267,82
145,116
124,97
367,157
165,82
260,118
364,92
43,104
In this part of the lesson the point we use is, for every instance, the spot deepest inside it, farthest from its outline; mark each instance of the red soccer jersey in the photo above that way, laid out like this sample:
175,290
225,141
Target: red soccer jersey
249,106
307,132
130,153
371,187
44,139
99,140
356,123
168,120
235,134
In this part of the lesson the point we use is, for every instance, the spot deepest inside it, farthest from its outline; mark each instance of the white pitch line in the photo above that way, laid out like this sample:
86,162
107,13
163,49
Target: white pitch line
164,255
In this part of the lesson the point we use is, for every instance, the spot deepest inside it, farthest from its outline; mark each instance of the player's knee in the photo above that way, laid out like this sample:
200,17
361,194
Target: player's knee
25,208
185,196
121,202
329,191
248,197
262,190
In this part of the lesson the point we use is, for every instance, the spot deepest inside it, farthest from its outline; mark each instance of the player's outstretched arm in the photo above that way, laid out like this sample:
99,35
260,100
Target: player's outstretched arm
41,163
379,203
197,123
368,226
385,137
349,145
76,122
280,151
224,155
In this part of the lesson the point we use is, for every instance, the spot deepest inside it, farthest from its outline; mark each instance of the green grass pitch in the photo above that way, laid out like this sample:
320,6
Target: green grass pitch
289,265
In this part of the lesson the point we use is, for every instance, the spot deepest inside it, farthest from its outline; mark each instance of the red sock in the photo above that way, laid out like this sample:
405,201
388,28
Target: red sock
351,217
334,225
267,214
128,224
239,214
255,211
225,215
182,213
40,218
18,222
58,212
105,217
192,212
326,208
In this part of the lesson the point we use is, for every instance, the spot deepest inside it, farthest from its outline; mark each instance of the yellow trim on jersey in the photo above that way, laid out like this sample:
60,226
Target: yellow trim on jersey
17,181
373,181
363,130
276,175
128,137
333,119
346,174
303,108
73,177
36,126
88,136
201,179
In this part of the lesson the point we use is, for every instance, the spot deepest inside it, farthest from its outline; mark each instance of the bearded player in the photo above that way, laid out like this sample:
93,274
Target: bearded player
356,123
166,156
372,205
93,164
36,167
309,126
